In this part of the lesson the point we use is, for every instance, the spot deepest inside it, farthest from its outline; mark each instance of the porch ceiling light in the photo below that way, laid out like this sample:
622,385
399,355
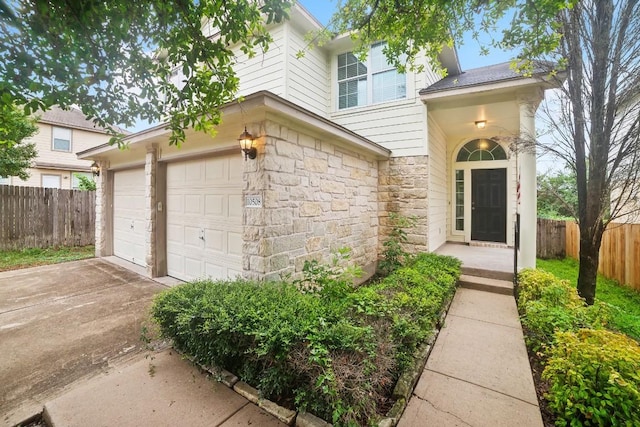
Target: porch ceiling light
95,169
481,124
246,141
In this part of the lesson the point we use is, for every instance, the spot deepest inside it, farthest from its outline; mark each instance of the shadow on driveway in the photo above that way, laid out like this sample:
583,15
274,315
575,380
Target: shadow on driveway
65,322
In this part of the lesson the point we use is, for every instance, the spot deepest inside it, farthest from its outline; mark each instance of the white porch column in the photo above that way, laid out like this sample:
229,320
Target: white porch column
527,172
150,171
102,211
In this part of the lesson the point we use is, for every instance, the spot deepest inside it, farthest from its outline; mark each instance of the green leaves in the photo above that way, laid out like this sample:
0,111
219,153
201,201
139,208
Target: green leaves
594,378
103,56
15,155
413,27
335,352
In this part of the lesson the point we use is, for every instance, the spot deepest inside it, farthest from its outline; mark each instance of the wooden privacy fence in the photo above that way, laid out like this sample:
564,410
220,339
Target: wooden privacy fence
619,252
32,217
551,239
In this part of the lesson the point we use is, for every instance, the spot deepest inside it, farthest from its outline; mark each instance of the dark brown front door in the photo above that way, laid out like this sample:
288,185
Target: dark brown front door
489,205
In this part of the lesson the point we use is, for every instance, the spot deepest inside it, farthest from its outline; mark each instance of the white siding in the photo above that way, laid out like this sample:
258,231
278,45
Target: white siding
266,70
309,76
437,186
397,125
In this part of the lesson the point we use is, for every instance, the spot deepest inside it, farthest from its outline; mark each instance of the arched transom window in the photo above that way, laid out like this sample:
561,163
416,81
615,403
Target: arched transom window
481,149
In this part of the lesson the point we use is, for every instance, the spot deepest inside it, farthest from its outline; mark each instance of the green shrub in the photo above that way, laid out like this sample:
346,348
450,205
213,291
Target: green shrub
335,351
531,283
594,379
549,305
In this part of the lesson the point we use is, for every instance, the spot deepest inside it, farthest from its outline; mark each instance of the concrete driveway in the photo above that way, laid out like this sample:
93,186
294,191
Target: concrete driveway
62,323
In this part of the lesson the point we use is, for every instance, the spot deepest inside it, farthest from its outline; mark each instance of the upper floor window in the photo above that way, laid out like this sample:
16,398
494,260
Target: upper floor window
368,83
61,139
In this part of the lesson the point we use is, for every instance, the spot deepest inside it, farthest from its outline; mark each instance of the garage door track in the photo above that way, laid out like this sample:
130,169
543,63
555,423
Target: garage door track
62,323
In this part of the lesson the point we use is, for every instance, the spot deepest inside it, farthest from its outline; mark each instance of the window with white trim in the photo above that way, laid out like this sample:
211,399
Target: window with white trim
61,139
372,82
5,180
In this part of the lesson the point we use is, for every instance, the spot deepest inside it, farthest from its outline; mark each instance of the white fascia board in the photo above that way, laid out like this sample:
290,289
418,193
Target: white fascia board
473,90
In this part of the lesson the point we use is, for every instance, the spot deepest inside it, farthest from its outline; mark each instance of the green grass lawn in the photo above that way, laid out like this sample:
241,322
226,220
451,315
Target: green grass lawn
13,260
625,300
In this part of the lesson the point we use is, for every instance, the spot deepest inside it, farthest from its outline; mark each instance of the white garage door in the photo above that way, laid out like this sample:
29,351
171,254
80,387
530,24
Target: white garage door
204,218
128,216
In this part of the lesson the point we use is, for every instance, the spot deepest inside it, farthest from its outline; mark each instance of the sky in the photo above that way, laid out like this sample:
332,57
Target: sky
468,52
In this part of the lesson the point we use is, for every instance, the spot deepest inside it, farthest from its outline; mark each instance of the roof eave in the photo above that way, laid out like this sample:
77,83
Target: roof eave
271,102
511,83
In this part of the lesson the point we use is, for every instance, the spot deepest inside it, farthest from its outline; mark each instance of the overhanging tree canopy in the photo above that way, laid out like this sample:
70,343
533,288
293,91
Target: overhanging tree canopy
115,58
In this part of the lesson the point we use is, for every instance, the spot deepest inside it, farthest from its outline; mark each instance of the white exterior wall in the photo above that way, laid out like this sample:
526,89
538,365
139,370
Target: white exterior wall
265,71
307,77
438,212
399,125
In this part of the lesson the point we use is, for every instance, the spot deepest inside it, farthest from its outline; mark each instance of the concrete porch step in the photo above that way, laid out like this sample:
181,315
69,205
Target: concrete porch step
489,274
496,286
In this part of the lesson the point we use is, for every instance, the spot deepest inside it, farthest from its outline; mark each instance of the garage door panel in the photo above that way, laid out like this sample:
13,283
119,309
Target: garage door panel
234,244
192,204
192,238
175,204
205,218
215,241
194,172
216,170
235,206
214,205
129,216
215,271
176,260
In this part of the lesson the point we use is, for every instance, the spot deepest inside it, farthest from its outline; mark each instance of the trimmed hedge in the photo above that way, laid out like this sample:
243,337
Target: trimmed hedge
336,352
594,374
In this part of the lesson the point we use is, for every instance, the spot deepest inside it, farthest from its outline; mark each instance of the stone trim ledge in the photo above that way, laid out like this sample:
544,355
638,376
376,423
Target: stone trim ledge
402,392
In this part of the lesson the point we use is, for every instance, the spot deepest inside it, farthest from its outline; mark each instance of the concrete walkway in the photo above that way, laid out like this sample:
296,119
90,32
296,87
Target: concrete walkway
162,390
478,373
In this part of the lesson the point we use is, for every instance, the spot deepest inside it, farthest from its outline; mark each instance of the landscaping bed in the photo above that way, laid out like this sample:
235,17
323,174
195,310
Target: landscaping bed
320,345
585,373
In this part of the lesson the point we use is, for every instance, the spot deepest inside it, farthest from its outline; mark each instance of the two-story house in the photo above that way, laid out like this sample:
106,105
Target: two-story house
339,144
61,134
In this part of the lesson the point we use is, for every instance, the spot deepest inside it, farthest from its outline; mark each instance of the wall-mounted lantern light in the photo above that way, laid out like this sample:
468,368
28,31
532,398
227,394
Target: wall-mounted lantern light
481,124
246,141
95,169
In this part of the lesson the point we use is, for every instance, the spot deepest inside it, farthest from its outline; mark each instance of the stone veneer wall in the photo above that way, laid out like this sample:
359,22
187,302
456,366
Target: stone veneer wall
317,197
102,197
404,188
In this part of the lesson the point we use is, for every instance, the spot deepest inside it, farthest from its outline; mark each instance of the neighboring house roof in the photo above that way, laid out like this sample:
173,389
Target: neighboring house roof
479,76
72,118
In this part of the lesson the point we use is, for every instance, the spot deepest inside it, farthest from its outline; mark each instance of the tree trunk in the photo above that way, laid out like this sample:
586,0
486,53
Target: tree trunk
590,241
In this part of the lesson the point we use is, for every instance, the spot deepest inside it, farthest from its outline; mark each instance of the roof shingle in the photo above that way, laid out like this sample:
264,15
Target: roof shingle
72,118
477,77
